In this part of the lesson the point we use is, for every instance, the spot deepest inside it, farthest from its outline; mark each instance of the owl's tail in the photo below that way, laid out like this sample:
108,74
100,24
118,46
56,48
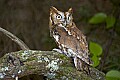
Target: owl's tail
81,65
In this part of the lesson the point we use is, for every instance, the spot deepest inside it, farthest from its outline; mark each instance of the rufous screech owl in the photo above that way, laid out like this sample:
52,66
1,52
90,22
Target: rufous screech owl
69,38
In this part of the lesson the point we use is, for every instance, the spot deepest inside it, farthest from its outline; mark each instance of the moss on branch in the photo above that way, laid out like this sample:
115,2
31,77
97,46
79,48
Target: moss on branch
51,64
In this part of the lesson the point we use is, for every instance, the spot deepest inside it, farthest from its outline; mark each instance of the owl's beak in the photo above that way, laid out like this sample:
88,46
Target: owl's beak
65,23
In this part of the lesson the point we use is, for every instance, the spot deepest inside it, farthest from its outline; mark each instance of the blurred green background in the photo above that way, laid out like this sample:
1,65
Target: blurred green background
28,20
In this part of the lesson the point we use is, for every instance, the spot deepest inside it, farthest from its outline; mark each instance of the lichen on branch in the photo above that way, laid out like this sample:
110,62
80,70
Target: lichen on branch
51,64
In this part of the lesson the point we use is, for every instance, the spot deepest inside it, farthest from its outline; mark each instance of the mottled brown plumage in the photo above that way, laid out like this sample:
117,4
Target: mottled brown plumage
69,38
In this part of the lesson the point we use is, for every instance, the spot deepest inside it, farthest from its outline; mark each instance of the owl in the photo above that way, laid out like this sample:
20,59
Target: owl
70,40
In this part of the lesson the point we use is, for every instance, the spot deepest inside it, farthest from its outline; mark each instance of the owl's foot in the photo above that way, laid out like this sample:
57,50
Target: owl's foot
58,50
77,64
81,65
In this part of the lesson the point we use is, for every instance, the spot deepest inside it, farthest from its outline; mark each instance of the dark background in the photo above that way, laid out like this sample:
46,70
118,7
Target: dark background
29,20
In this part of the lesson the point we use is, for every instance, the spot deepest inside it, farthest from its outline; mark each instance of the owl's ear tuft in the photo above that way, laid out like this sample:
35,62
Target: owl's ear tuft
70,10
53,9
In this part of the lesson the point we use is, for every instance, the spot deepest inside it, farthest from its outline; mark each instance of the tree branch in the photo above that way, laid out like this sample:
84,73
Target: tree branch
51,64
15,39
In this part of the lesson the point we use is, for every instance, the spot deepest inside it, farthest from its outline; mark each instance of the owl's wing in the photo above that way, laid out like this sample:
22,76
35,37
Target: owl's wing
81,46
71,45
76,33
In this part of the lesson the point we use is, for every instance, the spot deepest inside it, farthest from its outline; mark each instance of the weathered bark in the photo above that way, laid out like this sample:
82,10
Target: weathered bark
51,64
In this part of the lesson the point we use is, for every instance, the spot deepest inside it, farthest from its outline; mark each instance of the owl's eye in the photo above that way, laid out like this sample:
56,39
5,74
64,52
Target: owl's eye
58,16
68,17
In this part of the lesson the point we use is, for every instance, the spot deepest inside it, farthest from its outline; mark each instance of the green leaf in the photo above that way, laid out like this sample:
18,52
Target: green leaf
98,18
95,49
110,21
95,60
113,75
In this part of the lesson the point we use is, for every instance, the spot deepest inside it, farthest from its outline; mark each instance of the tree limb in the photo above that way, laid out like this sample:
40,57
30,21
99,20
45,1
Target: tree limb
15,39
51,64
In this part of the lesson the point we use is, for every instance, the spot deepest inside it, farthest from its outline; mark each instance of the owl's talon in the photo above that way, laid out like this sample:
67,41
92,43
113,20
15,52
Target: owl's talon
58,50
